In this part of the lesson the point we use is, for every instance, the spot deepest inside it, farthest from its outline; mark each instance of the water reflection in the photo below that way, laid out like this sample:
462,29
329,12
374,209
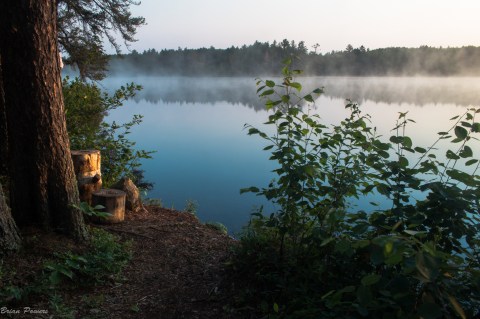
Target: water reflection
417,91
203,153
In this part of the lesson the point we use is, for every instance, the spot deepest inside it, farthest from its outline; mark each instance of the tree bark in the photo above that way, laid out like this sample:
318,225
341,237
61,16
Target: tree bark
9,236
43,185
3,128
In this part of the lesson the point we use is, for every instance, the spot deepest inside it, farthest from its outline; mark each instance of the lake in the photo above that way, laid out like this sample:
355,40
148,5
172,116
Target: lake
203,152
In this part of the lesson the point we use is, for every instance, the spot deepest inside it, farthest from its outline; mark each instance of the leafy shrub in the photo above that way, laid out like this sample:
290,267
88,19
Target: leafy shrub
103,260
105,257
315,257
86,106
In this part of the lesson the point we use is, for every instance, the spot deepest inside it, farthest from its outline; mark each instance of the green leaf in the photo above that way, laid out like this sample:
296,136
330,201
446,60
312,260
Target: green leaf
466,152
66,272
308,98
407,141
370,279
249,190
460,132
396,139
270,84
54,278
275,307
420,150
402,161
267,92
452,155
471,162
270,104
476,127
287,61
260,88
296,85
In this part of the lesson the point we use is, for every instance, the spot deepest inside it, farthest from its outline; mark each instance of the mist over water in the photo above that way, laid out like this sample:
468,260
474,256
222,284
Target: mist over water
418,91
203,153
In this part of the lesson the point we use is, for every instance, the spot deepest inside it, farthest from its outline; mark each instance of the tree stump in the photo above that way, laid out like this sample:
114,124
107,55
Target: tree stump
86,164
114,202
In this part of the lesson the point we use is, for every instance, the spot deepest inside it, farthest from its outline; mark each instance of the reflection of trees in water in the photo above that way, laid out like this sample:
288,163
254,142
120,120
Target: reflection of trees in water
416,91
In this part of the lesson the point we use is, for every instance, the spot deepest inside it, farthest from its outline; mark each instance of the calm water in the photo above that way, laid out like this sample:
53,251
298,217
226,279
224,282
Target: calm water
204,154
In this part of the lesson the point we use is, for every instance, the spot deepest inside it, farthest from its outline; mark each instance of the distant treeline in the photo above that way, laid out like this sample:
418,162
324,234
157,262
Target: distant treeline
266,59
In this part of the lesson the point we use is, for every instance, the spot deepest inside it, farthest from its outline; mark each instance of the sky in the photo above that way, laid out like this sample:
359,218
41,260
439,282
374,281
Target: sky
331,23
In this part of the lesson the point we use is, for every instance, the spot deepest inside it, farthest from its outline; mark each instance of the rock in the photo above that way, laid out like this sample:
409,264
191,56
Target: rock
133,202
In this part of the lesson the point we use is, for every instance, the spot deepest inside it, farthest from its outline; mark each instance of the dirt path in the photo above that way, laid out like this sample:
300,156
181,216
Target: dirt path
176,270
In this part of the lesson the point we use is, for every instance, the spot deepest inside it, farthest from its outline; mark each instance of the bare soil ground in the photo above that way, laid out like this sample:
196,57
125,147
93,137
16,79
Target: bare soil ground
176,270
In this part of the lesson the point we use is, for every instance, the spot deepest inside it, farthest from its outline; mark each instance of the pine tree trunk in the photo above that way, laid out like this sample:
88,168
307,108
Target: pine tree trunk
3,128
9,236
43,184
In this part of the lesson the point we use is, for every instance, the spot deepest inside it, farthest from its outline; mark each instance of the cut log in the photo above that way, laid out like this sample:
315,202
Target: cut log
114,202
87,170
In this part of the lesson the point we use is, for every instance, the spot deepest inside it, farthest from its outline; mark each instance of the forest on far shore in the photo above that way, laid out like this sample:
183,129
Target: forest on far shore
264,58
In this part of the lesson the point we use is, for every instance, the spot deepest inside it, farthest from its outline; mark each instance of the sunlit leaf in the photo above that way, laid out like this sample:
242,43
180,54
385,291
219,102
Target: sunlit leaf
296,85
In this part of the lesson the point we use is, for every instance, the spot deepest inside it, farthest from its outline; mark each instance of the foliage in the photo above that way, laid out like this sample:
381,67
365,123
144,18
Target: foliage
86,106
318,257
105,258
217,226
90,211
266,58
83,25
191,206
102,261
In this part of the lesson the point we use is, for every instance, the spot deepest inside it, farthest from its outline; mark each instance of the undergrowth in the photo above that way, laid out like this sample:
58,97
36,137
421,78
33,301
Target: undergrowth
318,257
101,261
